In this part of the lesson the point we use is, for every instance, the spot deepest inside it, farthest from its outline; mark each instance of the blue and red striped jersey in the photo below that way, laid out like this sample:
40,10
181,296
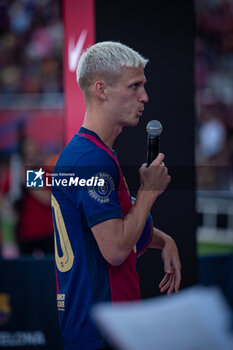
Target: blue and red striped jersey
84,277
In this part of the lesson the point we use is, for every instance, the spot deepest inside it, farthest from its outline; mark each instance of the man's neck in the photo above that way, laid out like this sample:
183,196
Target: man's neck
104,129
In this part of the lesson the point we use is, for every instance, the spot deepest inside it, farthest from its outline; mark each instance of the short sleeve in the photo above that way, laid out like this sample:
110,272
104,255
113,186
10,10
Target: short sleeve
97,199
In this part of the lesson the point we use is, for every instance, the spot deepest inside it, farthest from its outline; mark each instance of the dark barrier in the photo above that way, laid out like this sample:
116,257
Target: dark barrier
28,314
217,270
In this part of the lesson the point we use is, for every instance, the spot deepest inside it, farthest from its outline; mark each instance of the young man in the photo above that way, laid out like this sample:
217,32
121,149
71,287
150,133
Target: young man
98,231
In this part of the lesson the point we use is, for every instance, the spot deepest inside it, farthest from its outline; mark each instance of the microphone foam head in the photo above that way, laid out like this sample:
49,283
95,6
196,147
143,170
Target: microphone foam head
154,128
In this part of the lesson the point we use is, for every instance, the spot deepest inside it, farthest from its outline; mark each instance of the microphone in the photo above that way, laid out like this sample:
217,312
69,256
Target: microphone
154,129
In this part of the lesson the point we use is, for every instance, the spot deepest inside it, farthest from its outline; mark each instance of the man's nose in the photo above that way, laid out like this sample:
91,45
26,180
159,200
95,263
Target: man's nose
144,97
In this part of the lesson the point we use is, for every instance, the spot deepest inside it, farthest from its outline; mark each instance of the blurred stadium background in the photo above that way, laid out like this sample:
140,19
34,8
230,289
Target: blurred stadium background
32,103
214,124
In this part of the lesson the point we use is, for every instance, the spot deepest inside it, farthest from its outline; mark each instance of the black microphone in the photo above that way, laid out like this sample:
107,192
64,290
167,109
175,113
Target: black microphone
154,129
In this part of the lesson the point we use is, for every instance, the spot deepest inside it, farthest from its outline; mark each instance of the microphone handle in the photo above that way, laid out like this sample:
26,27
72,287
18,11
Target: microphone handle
152,148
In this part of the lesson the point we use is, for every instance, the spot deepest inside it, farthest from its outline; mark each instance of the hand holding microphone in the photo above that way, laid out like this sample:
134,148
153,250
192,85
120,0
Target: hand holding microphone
154,129
154,177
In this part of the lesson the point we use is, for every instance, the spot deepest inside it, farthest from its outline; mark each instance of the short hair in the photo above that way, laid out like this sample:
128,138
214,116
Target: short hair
105,60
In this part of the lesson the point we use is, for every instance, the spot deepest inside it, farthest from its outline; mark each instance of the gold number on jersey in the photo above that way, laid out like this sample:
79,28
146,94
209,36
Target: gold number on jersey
65,262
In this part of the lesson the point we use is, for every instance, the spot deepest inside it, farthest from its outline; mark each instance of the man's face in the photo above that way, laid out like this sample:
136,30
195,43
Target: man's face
126,97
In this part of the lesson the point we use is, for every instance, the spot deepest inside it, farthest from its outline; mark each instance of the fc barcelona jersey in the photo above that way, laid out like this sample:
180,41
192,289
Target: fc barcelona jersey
84,277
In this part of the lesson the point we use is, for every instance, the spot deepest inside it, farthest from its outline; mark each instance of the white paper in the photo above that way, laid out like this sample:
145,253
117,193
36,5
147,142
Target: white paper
194,319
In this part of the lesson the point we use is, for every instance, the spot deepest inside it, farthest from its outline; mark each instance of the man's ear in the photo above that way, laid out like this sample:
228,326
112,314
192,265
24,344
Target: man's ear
100,89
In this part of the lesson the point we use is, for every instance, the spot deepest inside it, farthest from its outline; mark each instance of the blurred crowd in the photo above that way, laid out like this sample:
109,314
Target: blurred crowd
30,46
214,93
25,213
31,39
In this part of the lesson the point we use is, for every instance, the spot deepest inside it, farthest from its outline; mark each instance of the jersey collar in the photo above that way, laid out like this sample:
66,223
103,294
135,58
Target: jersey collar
90,132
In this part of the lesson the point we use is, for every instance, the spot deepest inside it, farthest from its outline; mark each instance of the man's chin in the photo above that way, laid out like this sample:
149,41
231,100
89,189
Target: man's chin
136,121
132,122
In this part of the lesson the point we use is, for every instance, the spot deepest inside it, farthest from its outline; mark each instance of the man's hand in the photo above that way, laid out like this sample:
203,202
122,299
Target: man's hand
172,267
155,177
170,257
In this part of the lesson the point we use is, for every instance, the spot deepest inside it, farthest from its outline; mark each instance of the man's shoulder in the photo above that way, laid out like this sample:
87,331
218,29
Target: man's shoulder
82,151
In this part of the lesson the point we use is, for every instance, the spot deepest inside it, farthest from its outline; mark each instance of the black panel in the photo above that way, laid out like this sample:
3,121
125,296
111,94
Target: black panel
164,33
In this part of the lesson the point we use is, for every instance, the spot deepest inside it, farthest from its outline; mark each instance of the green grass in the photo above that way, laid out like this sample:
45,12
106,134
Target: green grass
214,249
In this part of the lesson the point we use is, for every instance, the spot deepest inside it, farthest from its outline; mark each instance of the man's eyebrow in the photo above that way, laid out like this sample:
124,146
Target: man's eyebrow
138,81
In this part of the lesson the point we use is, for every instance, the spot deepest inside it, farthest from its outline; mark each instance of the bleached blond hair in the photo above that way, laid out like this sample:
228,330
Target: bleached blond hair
104,60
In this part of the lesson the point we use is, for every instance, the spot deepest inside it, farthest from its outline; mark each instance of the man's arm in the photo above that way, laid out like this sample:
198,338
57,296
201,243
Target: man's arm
117,237
170,257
